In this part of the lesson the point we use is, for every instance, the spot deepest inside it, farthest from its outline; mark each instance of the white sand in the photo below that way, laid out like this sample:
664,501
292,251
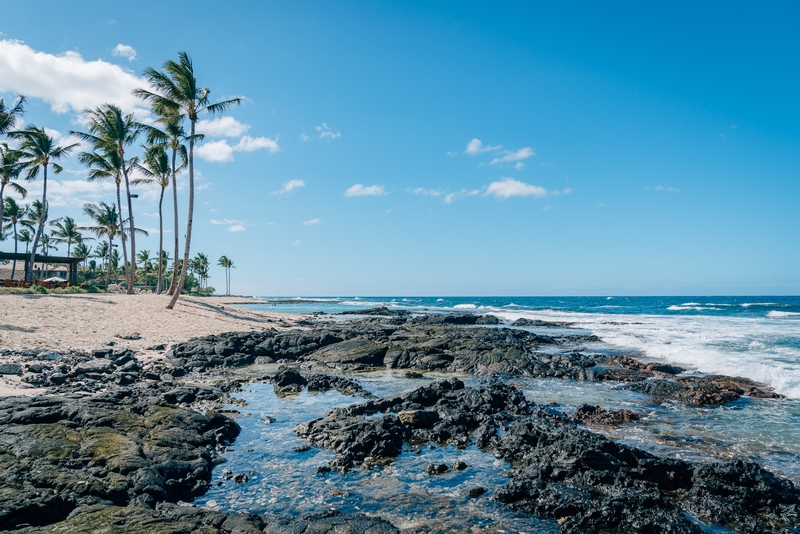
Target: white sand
89,321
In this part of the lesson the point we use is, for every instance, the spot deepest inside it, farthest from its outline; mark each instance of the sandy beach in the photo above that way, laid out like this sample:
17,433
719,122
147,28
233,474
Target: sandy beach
85,322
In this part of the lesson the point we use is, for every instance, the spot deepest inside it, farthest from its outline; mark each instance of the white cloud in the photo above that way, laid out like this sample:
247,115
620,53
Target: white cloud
66,81
289,186
70,193
476,147
222,127
304,137
236,228
428,192
251,144
215,151
662,189
325,132
226,221
312,222
296,243
508,187
360,190
511,156
222,152
450,197
121,50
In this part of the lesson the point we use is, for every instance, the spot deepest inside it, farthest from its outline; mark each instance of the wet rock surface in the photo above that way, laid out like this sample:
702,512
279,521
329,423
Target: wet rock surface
288,381
461,343
560,470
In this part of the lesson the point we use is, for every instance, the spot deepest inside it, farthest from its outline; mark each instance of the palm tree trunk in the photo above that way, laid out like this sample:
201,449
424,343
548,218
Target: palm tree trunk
122,233
2,207
174,282
189,216
160,241
14,265
132,227
108,274
39,231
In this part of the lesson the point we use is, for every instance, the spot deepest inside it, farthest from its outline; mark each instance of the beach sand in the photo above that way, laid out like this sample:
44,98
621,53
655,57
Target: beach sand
84,322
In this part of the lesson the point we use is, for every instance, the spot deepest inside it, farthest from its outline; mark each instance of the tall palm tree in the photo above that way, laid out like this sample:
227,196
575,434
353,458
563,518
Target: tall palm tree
38,152
107,166
10,115
110,131
66,231
227,264
106,224
172,135
10,170
16,215
102,252
156,169
25,236
176,93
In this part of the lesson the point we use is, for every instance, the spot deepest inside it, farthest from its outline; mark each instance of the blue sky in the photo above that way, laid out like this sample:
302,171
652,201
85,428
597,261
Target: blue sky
457,148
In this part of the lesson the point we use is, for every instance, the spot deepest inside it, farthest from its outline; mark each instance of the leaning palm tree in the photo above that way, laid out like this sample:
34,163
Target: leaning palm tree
106,225
176,94
16,215
156,169
38,152
111,132
10,170
66,231
10,115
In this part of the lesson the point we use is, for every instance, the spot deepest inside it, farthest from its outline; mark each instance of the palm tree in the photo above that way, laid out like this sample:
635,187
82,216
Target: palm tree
111,132
9,116
227,263
156,169
38,152
176,94
9,171
82,252
16,215
66,231
102,252
172,136
25,236
106,224
108,166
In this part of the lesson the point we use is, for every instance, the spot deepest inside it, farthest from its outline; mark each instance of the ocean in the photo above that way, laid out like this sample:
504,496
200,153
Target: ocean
753,337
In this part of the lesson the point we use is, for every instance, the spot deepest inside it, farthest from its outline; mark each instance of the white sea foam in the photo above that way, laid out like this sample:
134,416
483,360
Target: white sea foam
748,304
439,300
465,307
690,304
764,349
774,313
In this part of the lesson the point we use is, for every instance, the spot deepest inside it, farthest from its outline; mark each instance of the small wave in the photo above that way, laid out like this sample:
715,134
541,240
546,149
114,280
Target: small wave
465,307
774,313
748,304
689,304
698,307
439,300
609,298
512,305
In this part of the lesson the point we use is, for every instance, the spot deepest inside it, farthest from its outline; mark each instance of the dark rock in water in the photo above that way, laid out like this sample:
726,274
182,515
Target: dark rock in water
353,353
418,418
241,478
457,319
331,522
586,481
436,469
702,390
119,447
597,415
459,465
475,491
288,381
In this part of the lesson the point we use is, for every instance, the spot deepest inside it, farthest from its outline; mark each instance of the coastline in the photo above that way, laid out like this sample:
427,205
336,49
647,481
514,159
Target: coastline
210,348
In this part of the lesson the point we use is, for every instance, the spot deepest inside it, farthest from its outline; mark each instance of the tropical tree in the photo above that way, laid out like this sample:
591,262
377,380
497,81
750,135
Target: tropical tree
38,153
25,236
82,251
108,166
10,115
176,94
199,266
227,264
156,169
9,171
16,215
106,224
112,132
65,231
171,135
102,251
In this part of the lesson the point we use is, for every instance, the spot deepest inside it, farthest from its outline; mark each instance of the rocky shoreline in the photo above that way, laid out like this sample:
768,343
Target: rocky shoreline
119,445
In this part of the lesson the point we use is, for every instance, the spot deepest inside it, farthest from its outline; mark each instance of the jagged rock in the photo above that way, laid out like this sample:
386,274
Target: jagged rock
597,415
436,469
